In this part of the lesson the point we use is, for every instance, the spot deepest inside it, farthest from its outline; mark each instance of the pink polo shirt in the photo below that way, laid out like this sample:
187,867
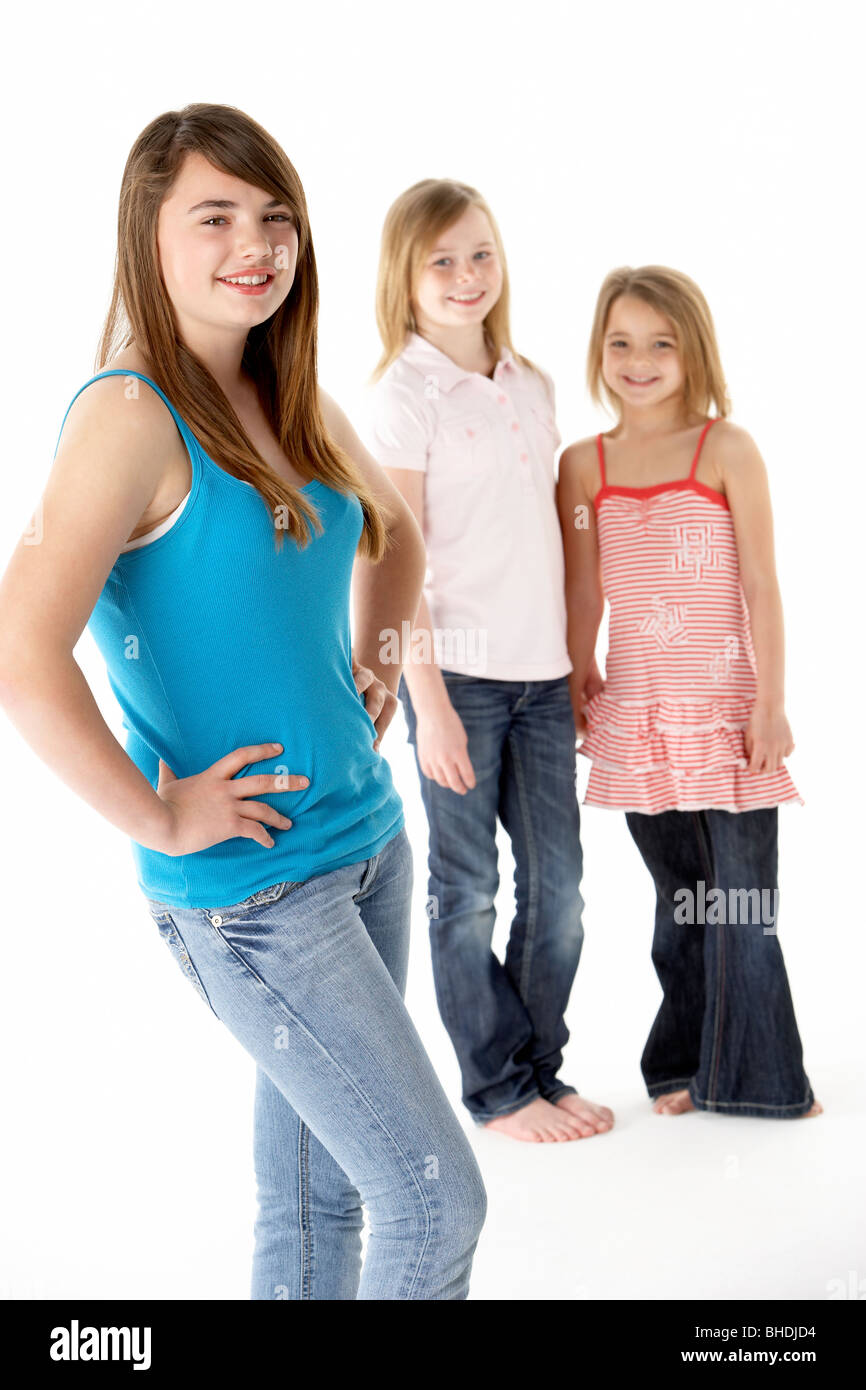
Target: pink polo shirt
495,581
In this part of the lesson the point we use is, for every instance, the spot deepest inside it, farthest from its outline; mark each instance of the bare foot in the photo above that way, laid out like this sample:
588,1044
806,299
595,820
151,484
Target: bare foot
591,1118
674,1103
538,1122
817,1109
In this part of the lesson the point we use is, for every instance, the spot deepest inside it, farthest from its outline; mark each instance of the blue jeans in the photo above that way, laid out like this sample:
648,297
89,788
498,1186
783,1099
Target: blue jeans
505,1020
725,1030
309,977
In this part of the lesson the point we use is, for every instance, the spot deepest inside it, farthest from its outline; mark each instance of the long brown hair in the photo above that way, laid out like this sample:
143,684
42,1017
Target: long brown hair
677,297
412,224
279,355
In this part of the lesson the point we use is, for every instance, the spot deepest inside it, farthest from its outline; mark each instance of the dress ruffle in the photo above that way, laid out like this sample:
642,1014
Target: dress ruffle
666,734
676,755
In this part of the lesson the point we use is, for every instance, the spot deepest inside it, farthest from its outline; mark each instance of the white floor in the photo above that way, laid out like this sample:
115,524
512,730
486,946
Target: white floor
694,1206
127,1159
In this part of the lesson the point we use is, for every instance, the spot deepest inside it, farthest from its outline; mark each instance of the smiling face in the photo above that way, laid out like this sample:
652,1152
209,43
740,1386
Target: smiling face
461,279
213,227
641,362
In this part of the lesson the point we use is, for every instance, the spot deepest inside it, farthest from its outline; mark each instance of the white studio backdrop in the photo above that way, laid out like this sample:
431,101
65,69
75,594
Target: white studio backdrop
723,140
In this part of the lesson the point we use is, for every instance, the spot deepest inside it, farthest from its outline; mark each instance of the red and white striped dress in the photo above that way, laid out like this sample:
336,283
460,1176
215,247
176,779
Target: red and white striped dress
666,732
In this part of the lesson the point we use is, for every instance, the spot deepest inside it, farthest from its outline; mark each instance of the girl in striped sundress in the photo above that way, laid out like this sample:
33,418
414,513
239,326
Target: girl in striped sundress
669,517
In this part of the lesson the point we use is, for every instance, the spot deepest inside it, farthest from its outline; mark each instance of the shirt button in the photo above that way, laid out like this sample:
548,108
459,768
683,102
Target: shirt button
515,424
217,921
501,399
523,458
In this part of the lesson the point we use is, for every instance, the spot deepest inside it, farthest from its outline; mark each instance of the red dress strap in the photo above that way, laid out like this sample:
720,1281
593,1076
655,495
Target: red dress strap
600,445
704,432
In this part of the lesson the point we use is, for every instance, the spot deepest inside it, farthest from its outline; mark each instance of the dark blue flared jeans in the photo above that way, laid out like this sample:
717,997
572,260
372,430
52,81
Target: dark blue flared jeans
726,1029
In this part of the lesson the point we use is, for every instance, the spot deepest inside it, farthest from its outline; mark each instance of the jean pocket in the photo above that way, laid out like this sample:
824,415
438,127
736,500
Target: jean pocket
248,908
168,930
367,876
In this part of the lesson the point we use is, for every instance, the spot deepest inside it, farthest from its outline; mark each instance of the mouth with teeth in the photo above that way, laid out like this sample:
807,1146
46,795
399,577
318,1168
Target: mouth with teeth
640,380
474,298
255,283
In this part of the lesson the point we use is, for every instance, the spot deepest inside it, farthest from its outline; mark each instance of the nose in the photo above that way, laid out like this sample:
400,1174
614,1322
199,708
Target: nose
252,238
467,272
256,249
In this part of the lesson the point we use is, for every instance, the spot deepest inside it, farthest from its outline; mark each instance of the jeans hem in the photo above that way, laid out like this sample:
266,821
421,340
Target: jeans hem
481,1119
660,1088
562,1090
751,1109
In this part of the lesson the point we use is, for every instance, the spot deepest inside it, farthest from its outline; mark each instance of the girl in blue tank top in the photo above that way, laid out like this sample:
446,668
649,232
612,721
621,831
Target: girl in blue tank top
214,588
218,501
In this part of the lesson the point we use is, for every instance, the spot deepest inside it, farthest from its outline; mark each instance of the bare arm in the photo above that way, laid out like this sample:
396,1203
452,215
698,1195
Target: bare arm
385,594
584,598
423,679
744,476
441,739
104,476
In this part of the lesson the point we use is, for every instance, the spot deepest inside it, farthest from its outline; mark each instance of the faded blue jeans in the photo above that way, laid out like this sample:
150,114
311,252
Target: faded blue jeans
506,1019
309,977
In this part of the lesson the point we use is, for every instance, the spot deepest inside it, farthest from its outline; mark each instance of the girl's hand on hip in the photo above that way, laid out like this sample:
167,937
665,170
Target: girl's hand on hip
379,702
211,806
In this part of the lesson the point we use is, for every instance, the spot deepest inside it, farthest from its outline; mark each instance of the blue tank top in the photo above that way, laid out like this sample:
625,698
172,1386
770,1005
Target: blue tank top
213,639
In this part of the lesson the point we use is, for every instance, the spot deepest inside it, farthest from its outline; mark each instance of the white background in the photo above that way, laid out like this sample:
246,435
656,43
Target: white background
724,140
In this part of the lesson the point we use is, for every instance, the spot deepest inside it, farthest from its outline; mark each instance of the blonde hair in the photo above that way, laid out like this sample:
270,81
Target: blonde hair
279,354
677,297
412,225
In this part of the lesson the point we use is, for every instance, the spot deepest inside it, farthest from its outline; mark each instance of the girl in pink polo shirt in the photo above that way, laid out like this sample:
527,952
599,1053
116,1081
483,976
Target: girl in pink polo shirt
668,516
465,428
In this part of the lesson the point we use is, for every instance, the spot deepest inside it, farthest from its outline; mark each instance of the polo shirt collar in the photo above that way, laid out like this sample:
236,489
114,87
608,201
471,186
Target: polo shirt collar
430,361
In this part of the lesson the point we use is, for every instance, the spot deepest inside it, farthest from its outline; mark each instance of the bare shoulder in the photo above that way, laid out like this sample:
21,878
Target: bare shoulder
581,449
344,434
341,429
578,464
121,453
732,449
104,475
123,413
333,416
131,359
